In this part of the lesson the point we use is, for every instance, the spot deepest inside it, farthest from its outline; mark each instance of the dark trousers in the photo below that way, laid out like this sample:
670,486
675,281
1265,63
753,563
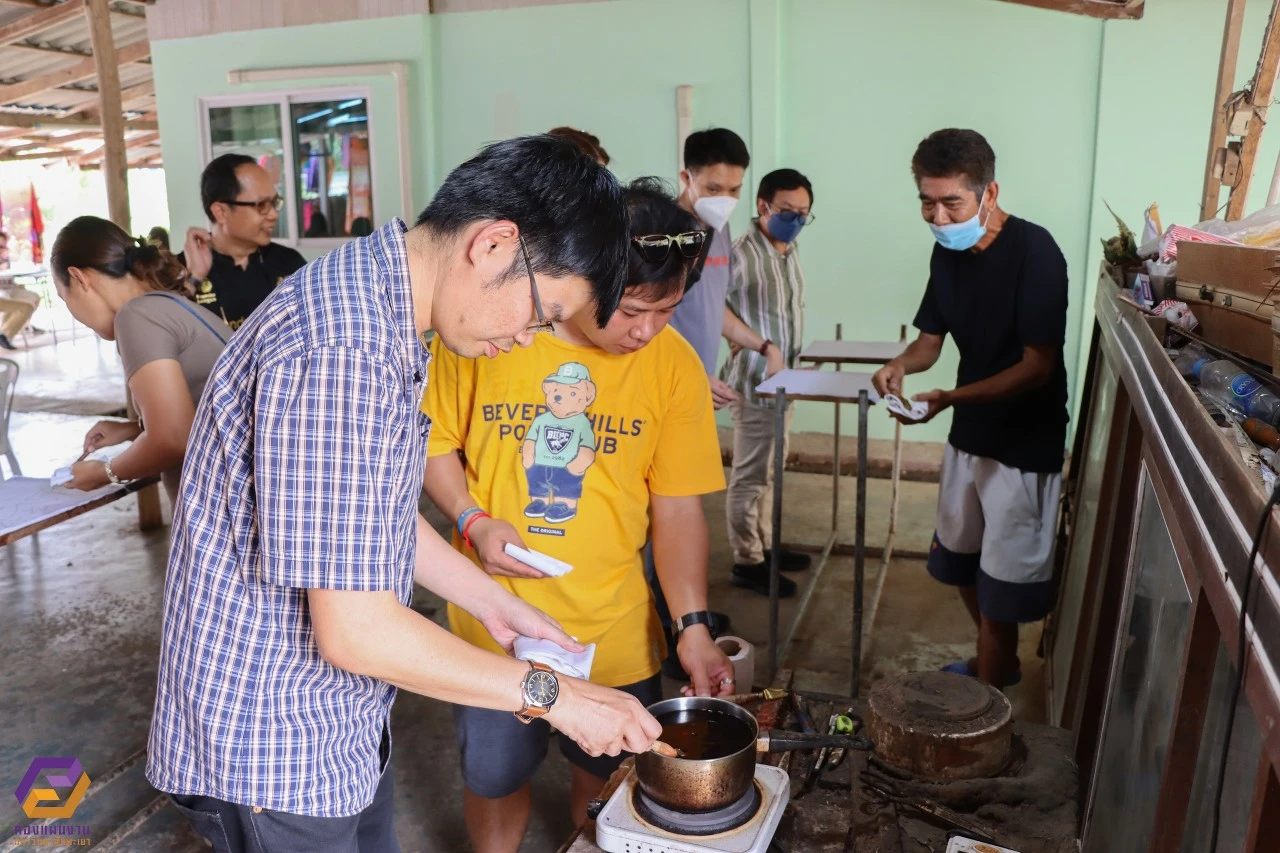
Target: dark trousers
233,828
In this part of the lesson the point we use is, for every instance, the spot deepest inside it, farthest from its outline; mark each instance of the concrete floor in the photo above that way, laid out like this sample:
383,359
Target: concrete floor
82,621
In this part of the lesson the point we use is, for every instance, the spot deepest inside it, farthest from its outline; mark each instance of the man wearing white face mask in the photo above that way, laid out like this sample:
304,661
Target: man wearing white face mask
998,286
715,162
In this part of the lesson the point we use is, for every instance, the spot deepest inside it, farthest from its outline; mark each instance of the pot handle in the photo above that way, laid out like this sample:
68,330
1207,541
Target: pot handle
783,741
594,807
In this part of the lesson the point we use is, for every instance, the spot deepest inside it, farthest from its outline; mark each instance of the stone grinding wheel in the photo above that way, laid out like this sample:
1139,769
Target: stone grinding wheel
940,725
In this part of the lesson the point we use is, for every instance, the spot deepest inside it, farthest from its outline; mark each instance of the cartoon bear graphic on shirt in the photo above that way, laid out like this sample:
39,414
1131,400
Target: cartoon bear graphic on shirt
560,445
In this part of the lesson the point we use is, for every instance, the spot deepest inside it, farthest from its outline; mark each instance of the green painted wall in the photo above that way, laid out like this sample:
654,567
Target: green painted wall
611,68
1077,110
863,83
187,69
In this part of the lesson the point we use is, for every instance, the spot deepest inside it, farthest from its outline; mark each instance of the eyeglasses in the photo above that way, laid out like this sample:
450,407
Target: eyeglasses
543,324
264,207
791,215
655,248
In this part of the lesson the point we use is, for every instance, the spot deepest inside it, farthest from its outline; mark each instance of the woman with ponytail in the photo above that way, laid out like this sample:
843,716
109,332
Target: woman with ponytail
133,293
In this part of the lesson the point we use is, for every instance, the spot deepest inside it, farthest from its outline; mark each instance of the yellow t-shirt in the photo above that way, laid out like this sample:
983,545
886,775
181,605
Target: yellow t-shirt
566,443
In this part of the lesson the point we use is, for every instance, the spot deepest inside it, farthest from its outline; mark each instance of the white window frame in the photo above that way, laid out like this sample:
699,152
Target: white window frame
284,99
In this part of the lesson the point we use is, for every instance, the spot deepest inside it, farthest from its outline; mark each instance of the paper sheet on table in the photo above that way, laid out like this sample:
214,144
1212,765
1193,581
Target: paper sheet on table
63,475
28,500
575,665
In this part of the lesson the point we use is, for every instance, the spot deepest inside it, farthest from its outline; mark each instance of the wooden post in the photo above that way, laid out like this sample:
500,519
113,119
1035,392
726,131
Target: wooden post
1226,83
114,163
1259,101
115,175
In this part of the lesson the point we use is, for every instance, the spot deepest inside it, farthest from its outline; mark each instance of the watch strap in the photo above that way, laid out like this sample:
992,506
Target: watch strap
529,713
697,617
764,347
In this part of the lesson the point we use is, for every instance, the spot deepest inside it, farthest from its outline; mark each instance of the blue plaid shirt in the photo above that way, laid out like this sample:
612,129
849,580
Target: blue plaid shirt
303,471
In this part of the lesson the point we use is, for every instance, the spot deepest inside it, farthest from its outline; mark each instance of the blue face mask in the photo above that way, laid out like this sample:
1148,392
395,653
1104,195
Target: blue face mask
960,236
785,226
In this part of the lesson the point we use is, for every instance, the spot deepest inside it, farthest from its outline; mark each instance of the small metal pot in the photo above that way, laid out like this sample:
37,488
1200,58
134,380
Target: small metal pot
703,785
699,785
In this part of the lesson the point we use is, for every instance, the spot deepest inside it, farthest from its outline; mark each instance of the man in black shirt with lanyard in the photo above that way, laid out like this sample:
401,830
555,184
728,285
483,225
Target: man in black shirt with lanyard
235,267
998,286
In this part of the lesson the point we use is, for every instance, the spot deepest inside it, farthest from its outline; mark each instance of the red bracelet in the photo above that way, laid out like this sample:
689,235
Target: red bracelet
466,536
764,346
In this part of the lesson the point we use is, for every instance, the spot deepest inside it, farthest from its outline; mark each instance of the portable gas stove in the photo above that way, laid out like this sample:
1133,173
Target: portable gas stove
632,823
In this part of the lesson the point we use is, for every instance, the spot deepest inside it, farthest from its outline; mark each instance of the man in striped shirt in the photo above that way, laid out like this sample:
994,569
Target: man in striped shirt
767,293
296,537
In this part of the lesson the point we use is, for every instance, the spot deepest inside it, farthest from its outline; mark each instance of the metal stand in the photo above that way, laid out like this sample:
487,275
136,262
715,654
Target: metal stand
775,556
859,545
837,352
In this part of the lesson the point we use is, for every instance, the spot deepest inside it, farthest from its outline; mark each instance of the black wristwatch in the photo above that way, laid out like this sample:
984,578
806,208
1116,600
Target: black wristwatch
697,617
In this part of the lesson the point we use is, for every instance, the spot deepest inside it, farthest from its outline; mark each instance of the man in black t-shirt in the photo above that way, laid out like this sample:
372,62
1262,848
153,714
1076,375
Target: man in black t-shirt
236,265
998,286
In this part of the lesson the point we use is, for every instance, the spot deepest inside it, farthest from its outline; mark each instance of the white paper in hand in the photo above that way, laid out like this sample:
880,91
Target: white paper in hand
61,476
894,404
575,665
543,563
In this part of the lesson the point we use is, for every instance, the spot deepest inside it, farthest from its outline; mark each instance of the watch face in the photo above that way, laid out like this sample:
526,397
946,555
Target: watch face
541,688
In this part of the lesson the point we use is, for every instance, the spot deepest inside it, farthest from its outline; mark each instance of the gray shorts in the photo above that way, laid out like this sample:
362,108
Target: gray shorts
500,754
996,531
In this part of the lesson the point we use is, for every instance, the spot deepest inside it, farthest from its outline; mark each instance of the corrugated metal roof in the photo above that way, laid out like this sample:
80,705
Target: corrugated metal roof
61,48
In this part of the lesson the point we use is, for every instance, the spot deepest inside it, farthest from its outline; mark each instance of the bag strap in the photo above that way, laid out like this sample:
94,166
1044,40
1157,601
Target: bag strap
190,308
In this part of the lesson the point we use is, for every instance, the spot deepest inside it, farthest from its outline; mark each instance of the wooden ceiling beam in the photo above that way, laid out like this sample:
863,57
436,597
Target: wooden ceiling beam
19,120
55,154
44,50
47,17
90,99
1129,11
81,70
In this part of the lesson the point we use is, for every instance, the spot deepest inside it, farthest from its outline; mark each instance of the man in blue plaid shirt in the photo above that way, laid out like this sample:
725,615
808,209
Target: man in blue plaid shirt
296,538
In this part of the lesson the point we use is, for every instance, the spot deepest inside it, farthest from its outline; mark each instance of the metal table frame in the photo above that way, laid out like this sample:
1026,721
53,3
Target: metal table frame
837,352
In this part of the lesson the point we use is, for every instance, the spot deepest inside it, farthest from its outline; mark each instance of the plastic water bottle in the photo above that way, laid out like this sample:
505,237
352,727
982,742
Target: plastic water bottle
1243,395
1191,358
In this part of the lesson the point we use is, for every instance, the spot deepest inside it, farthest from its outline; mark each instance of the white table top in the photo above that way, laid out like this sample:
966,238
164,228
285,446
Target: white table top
820,385
25,272
852,352
29,500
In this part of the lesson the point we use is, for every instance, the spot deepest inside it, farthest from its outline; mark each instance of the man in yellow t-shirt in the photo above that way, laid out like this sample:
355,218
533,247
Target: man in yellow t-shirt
571,448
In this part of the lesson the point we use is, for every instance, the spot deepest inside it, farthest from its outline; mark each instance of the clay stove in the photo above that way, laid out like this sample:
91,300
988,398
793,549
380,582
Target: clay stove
940,725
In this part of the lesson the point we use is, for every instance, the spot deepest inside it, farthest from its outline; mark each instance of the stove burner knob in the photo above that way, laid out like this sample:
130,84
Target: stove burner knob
594,807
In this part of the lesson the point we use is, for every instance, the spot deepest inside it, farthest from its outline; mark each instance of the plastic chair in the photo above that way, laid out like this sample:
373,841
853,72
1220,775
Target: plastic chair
8,384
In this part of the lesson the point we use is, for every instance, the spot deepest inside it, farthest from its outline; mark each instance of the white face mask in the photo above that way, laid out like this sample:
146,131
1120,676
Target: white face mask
715,210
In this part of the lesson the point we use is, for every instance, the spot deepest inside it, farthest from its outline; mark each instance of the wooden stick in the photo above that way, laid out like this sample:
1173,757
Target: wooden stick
1226,83
1259,99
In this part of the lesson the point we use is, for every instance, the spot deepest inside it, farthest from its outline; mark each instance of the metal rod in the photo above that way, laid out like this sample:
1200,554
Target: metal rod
802,607
859,544
886,555
775,557
835,459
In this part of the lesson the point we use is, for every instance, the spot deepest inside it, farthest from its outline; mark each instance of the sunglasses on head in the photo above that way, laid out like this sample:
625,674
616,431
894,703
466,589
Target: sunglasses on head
655,248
